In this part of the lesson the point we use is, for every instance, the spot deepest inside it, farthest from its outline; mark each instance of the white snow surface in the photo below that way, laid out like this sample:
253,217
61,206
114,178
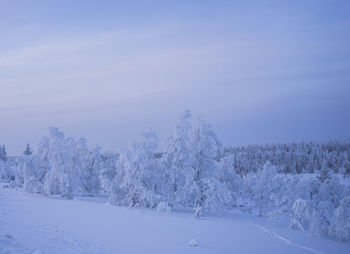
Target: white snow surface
31,223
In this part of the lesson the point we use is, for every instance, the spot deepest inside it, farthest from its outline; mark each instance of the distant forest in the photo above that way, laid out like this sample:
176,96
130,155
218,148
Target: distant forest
293,158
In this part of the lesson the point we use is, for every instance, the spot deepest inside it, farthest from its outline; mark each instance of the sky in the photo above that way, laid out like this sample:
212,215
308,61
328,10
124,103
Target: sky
257,71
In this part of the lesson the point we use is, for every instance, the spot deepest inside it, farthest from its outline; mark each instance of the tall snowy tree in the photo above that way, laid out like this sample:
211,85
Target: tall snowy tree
58,151
177,159
203,190
139,183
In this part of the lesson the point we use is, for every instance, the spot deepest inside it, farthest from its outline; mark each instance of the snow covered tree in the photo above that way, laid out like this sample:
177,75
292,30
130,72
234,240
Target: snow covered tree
108,171
86,164
265,188
58,152
138,182
71,167
301,214
177,159
340,228
320,218
28,150
190,163
3,153
324,172
308,188
227,175
3,171
202,188
31,174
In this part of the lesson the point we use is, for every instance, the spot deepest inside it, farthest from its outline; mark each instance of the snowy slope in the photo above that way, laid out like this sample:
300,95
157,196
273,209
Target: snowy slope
36,224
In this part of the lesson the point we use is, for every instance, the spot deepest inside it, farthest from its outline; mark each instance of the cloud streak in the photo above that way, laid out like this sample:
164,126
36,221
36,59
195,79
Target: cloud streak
251,70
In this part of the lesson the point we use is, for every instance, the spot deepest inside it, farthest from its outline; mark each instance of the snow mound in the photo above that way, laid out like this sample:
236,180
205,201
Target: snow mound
193,243
163,207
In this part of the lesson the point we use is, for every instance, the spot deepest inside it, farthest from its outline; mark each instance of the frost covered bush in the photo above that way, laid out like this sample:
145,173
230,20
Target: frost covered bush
30,174
267,189
228,177
301,214
33,185
163,207
320,218
340,228
137,183
58,183
108,171
3,171
320,207
70,166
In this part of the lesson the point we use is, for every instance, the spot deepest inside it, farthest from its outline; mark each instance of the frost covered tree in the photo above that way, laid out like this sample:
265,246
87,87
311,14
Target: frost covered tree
177,159
72,168
57,151
324,173
204,190
340,229
320,218
3,153
137,183
31,174
86,164
227,175
108,171
190,161
301,214
28,150
264,187
3,171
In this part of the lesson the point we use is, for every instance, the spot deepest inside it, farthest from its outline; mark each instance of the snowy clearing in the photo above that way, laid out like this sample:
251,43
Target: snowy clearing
32,223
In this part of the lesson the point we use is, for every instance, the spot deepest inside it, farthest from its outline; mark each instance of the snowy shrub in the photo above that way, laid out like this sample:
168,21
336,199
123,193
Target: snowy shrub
307,188
57,183
3,171
340,229
51,183
301,214
30,175
330,190
320,218
31,184
232,182
163,207
198,211
266,189
108,171
138,183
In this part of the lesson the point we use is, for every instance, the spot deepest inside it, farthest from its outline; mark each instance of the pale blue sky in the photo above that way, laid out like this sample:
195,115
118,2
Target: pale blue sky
258,71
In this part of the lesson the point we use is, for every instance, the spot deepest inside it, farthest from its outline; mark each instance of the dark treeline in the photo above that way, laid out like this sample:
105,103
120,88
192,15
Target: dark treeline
293,158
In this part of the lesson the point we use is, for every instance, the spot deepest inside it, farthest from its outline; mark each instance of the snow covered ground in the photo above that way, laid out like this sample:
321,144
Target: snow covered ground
37,224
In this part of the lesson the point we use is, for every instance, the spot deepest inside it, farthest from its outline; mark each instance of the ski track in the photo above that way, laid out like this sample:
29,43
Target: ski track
287,241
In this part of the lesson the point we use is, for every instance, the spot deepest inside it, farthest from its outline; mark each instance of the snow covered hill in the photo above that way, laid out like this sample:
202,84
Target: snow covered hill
31,223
